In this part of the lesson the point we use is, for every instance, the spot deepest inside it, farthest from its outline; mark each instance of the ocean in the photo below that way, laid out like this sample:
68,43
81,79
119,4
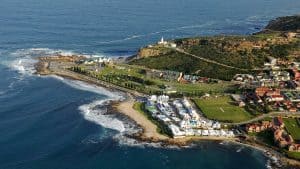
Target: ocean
52,122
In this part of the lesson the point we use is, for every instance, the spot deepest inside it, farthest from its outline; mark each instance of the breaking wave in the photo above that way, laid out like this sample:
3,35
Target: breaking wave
116,96
23,60
36,52
97,112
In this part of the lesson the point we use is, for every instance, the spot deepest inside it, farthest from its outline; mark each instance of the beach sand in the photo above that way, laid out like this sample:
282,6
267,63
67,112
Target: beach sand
149,129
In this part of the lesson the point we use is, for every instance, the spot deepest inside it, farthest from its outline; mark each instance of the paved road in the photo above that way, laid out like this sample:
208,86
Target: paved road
271,114
58,70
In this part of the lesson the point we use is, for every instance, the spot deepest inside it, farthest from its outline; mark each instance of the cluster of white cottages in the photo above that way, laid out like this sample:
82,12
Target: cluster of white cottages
182,118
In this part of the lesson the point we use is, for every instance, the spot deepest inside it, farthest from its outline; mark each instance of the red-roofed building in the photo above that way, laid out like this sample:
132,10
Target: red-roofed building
296,74
258,127
293,110
271,92
294,147
275,98
261,91
282,138
278,122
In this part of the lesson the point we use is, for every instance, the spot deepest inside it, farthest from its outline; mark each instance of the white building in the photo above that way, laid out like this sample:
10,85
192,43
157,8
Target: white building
153,98
165,43
162,42
163,99
93,60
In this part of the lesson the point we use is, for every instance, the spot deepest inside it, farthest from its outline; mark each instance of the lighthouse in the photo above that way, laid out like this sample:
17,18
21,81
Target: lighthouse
162,42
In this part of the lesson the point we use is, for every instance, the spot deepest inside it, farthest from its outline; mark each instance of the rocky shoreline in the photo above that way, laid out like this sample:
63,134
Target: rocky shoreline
277,160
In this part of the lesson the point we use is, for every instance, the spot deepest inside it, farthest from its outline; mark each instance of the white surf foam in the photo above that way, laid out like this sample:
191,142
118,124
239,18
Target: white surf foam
24,66
96,112
124,140
90,88
23,60
35,52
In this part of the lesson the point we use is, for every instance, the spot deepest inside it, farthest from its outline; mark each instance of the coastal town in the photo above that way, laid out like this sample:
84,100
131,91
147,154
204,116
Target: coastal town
182,118
159,84
256,106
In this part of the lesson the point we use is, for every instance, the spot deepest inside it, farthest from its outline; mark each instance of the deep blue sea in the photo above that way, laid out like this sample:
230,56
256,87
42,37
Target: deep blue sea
55,123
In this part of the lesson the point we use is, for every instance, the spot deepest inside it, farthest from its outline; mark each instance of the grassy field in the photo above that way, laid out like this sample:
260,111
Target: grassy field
136,78
203,87
222,109
293,128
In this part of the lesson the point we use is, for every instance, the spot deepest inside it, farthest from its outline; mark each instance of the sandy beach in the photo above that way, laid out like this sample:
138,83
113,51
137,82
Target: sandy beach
150,133
149,129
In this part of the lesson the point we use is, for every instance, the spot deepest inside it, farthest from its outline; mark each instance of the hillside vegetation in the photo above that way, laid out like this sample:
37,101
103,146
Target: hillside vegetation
247,53
184,63
287,23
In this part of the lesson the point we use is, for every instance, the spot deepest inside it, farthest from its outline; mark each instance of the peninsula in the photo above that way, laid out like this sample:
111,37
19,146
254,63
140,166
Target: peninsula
239,88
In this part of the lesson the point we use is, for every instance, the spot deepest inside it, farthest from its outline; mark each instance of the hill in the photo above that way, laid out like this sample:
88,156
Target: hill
222,57
287,23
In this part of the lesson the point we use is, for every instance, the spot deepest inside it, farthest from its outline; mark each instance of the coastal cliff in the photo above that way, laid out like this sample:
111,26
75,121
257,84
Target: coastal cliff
151,51
218,56
221,57
287,23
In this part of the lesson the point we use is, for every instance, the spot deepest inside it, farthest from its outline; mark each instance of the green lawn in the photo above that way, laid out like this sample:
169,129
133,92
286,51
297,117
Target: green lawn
139,107
222,109
294,155
203,87
292,127
118,74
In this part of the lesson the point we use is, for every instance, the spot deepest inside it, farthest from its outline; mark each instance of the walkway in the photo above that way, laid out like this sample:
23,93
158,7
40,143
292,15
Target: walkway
211,61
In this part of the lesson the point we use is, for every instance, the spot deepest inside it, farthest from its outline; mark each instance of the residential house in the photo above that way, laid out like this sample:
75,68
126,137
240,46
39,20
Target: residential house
261,91
294,148
274,96
282,138
296,74
258,127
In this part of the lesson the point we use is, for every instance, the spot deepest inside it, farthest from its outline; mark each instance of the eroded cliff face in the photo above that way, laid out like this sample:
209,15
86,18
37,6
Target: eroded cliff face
152,51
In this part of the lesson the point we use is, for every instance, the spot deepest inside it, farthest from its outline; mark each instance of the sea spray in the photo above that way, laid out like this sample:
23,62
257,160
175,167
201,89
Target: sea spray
23,60
96,112
100,112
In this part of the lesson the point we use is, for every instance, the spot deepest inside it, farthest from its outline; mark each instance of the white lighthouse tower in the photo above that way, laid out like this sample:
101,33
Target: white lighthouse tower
162,42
